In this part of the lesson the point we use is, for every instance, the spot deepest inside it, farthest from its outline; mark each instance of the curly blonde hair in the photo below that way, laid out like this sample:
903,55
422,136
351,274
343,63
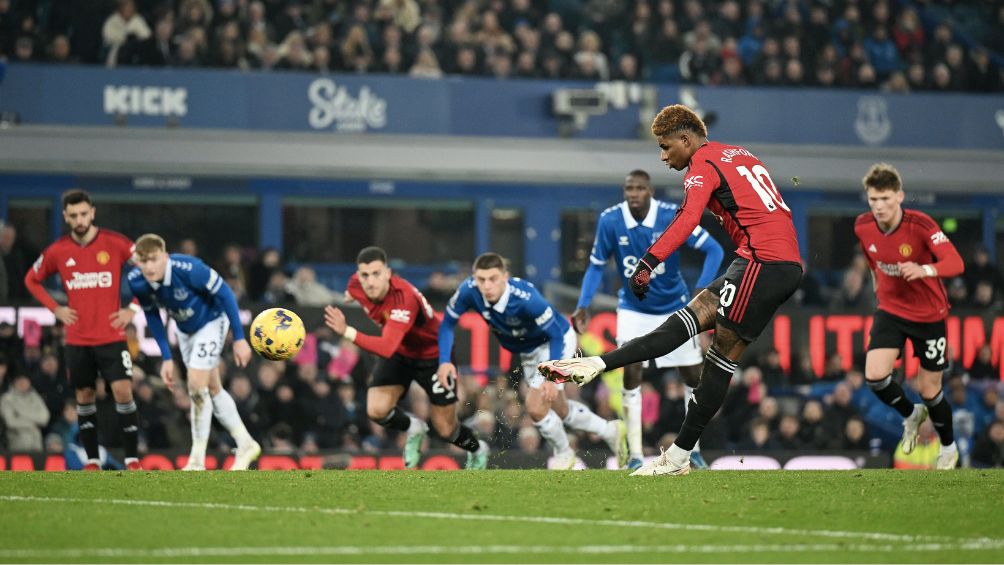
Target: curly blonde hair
883,176
678,118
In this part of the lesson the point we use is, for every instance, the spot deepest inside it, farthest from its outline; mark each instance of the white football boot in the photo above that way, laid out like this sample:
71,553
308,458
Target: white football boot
948,457
245,455
580,370
662,465
911,427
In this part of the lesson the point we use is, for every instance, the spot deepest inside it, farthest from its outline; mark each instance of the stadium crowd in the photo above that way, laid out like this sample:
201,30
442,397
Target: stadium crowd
317,402
897,46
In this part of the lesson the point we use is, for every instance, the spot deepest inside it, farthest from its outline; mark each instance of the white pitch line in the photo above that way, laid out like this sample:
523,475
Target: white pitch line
872,536
172,552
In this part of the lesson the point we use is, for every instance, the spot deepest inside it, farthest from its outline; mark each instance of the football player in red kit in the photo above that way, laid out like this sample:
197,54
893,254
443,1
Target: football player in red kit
909,255
735,185
89,261
409,349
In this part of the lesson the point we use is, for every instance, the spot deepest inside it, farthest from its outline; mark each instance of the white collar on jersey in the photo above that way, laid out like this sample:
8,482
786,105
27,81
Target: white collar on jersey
648,222
167,277
503,300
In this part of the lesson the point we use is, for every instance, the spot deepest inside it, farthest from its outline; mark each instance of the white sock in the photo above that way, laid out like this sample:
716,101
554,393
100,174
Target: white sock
416,425
688,393
553,432
225,410
580,417
202,420
631,400
678,455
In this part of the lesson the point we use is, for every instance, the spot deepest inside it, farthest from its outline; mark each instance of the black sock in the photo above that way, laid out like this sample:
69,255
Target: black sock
941,416
465,438
396,420
708,397
129,421
87,418
674,332
892,394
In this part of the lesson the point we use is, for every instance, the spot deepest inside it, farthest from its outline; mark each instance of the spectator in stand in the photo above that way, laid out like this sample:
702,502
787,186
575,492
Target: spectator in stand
813,431
768,412
759,438
153,418
982,367
855,436
426,65
882,52
18,256
983,297
306,290
52,385
988,450
123,25
839,410
980,269
24,415
787,434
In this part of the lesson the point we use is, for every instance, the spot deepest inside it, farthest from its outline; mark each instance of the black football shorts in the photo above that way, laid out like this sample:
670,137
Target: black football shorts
750,292
401,370
86,362
928,338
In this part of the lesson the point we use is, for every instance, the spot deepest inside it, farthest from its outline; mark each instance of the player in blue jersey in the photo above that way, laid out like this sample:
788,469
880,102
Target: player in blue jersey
203,308
626,231
525,324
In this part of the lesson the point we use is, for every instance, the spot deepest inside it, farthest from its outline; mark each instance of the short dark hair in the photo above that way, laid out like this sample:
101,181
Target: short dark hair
75,196
677,118
490,260
882,177
640,173
370,254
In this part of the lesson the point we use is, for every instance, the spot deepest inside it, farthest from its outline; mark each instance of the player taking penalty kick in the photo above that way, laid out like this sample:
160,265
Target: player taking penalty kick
736,186
909,255
204,308
89,261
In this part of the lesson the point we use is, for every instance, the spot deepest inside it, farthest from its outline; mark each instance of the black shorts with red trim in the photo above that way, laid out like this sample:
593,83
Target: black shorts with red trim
928,338
750,292
399,370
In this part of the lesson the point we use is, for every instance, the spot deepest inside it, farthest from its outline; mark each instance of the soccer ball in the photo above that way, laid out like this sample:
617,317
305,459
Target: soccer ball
277,334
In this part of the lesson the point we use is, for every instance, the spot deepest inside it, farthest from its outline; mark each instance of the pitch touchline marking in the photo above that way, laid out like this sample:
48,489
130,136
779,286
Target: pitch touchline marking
485,549
875,536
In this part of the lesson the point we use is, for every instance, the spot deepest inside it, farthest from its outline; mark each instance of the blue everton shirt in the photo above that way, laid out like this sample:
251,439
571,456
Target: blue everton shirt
521,319
193,295
620,235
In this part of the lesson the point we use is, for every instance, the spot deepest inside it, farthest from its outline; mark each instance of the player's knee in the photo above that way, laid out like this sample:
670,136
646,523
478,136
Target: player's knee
704,306
537,411
376,412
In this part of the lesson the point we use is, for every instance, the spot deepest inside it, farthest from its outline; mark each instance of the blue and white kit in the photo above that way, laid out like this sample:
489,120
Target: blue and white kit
201,304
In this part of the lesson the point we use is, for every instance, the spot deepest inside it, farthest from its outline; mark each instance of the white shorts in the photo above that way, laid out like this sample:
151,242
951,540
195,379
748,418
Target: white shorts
631,324
531,359
202,349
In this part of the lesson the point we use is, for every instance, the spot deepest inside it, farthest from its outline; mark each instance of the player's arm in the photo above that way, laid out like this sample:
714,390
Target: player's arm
546,319
152,314
948,261
702,180
457,305
33,279
702,241
207,281
391,335
592,278
129,307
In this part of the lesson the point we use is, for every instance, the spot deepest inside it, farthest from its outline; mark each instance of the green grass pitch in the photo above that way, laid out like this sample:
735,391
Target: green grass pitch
866,516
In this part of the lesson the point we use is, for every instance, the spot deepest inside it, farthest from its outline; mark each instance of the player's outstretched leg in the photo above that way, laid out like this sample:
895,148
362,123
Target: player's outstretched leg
201,413
444,421
682,325
225,410
708,399
416,430
613,432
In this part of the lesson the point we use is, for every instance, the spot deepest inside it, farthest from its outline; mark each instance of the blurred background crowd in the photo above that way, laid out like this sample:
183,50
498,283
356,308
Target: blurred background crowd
893,45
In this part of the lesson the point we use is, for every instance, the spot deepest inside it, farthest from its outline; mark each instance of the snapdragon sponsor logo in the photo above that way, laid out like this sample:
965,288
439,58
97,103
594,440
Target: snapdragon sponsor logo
80,281
334,106
146,100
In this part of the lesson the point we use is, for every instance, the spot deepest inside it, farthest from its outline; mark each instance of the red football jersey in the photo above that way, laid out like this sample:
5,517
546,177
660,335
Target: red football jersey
736,187
917,238
410,325
91,276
